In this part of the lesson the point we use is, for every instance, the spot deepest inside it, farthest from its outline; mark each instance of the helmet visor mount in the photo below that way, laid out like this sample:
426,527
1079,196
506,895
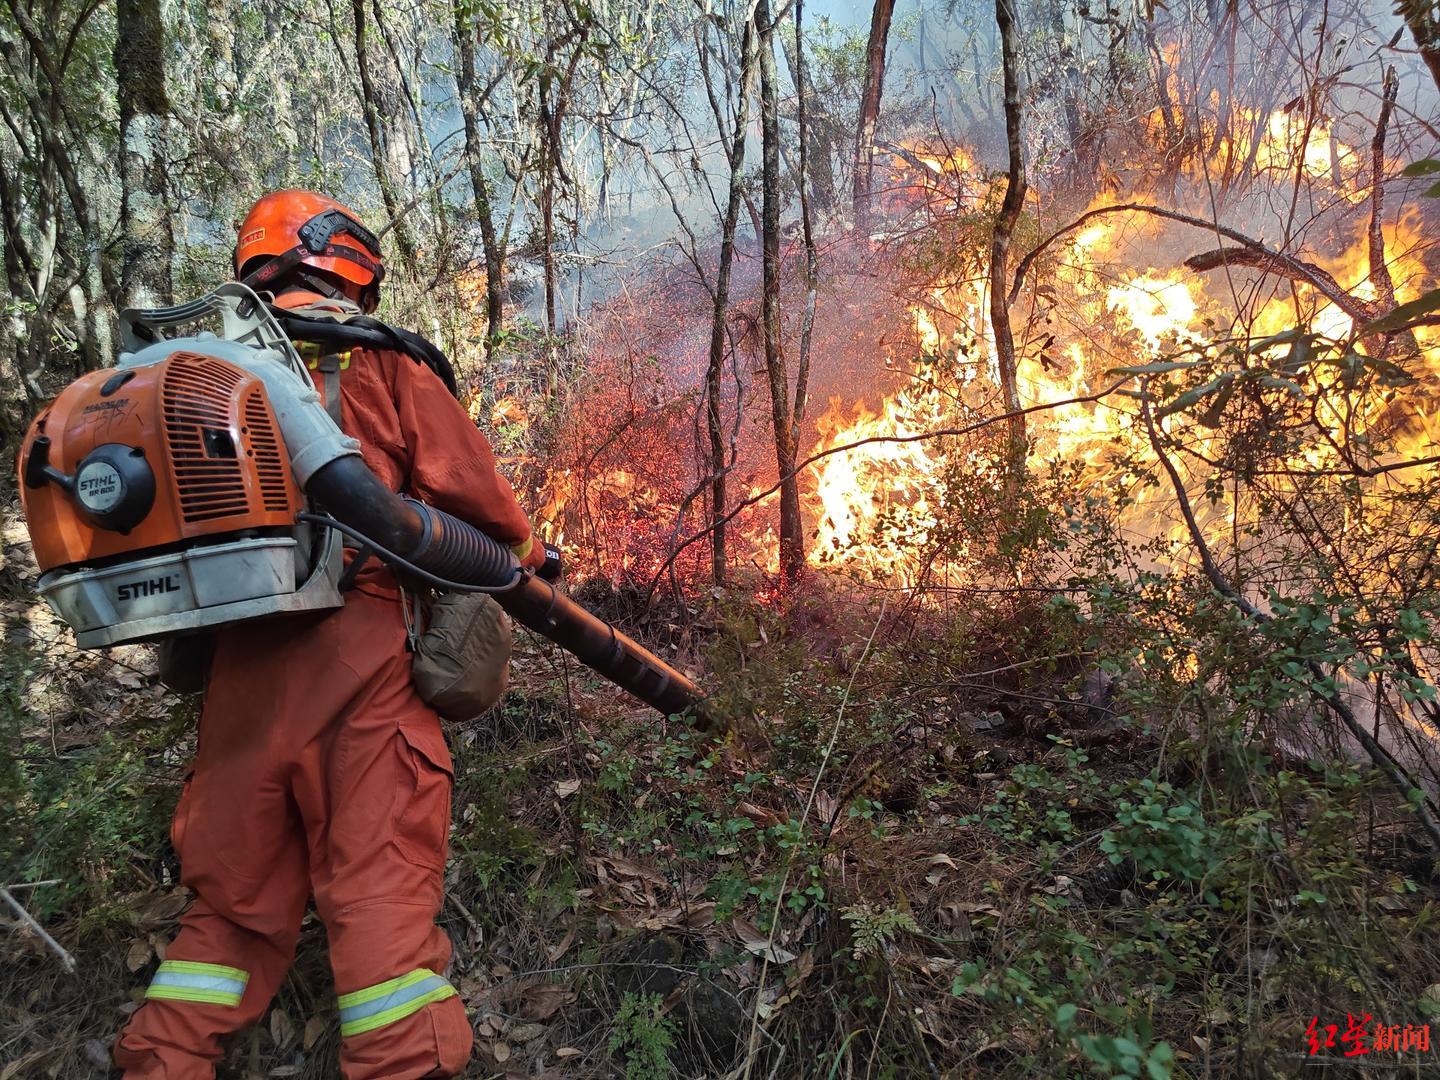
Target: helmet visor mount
315,234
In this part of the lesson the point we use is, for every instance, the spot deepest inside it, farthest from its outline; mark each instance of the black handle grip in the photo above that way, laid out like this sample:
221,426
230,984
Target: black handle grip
553,569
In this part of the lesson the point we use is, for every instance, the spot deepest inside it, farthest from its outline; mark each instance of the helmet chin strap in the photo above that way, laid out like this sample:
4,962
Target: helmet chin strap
318,284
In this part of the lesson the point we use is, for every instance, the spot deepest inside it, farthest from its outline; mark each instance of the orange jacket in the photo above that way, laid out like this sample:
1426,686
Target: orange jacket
419,440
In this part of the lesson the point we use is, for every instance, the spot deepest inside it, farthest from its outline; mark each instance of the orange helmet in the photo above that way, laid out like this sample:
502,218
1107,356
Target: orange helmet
289,229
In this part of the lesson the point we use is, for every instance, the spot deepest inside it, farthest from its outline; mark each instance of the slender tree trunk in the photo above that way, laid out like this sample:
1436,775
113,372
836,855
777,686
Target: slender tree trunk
818,126
811,272
1423,19
489,242
1082,168
1379,269
714,372
147,235
378,144
554,99
870,106
792,543
282,109
548,153
1000,240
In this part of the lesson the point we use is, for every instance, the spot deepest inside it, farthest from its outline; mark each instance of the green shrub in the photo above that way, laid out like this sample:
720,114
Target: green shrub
1163,832
644,1036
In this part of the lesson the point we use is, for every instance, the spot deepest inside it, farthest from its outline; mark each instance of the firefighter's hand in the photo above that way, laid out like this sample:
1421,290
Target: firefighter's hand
553,568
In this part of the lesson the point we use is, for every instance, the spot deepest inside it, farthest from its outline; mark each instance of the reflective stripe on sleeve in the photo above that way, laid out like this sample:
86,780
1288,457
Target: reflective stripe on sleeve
189,980
395,999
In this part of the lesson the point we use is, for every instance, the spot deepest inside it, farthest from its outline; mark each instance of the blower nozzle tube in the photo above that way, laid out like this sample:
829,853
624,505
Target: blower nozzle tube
449,548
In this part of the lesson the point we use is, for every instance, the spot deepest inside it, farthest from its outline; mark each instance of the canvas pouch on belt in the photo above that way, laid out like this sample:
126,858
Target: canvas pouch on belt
462,660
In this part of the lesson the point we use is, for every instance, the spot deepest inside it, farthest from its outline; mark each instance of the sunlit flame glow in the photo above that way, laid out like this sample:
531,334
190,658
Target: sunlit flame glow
877,505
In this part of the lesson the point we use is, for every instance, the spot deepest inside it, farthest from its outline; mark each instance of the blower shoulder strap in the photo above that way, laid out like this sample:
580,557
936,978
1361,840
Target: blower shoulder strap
363,331
328,365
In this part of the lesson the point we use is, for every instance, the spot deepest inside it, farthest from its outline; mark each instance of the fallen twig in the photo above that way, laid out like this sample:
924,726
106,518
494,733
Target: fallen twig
66,959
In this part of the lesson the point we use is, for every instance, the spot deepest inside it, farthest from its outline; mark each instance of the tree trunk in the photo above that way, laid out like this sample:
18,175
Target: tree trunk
792,543
1423,19
817,125
714,373
147,235
548,154
1000,242
1379,269
870,106
1082,169
378,143
494,258
812,261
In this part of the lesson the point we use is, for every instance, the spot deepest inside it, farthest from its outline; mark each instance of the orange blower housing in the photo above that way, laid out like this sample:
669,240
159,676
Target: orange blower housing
161,501
200,426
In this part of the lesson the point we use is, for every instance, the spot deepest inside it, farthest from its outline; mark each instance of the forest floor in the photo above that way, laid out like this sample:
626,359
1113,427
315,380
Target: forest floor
904,860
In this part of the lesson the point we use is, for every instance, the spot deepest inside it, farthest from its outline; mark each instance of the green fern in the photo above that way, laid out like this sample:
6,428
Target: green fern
871,930
644,1035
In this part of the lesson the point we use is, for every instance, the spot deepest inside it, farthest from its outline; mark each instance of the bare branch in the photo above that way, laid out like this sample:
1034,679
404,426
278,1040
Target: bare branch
66,960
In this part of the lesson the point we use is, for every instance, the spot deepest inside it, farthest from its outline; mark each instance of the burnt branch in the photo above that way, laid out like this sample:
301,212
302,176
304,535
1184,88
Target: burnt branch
1275,262
1326,285
1379,270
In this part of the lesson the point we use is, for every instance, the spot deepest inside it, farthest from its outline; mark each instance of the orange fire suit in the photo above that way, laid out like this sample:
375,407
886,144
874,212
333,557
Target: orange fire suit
321,772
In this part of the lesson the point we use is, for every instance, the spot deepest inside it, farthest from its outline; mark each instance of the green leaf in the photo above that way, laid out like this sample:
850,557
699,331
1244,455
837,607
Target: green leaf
1423,167
1403,316
1196,394
1276,382
1265,344
1210,418
1065,1016
1300,354
1391,373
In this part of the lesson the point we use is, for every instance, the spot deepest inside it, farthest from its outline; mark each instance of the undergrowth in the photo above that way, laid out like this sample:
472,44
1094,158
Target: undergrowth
934,848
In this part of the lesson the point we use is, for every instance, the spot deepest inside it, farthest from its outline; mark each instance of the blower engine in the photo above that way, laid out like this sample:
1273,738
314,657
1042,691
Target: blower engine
201,482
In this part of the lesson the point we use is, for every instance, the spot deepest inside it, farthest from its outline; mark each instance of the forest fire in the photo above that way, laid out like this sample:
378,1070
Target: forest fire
877,505
994,452
1114,292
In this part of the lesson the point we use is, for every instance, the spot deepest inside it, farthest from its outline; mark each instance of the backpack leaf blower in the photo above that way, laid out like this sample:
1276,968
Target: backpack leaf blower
201,482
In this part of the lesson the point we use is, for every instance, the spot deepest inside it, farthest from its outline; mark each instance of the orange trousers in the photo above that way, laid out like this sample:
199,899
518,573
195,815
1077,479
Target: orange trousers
320,772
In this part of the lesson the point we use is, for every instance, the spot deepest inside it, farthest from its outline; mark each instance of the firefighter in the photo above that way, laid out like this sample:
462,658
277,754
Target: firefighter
320,771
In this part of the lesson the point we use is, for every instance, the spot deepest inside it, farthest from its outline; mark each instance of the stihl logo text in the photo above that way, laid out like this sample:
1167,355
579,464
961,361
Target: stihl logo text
134,590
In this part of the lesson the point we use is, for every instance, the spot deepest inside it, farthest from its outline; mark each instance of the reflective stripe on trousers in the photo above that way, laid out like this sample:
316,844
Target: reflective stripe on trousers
384,1003
190,980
